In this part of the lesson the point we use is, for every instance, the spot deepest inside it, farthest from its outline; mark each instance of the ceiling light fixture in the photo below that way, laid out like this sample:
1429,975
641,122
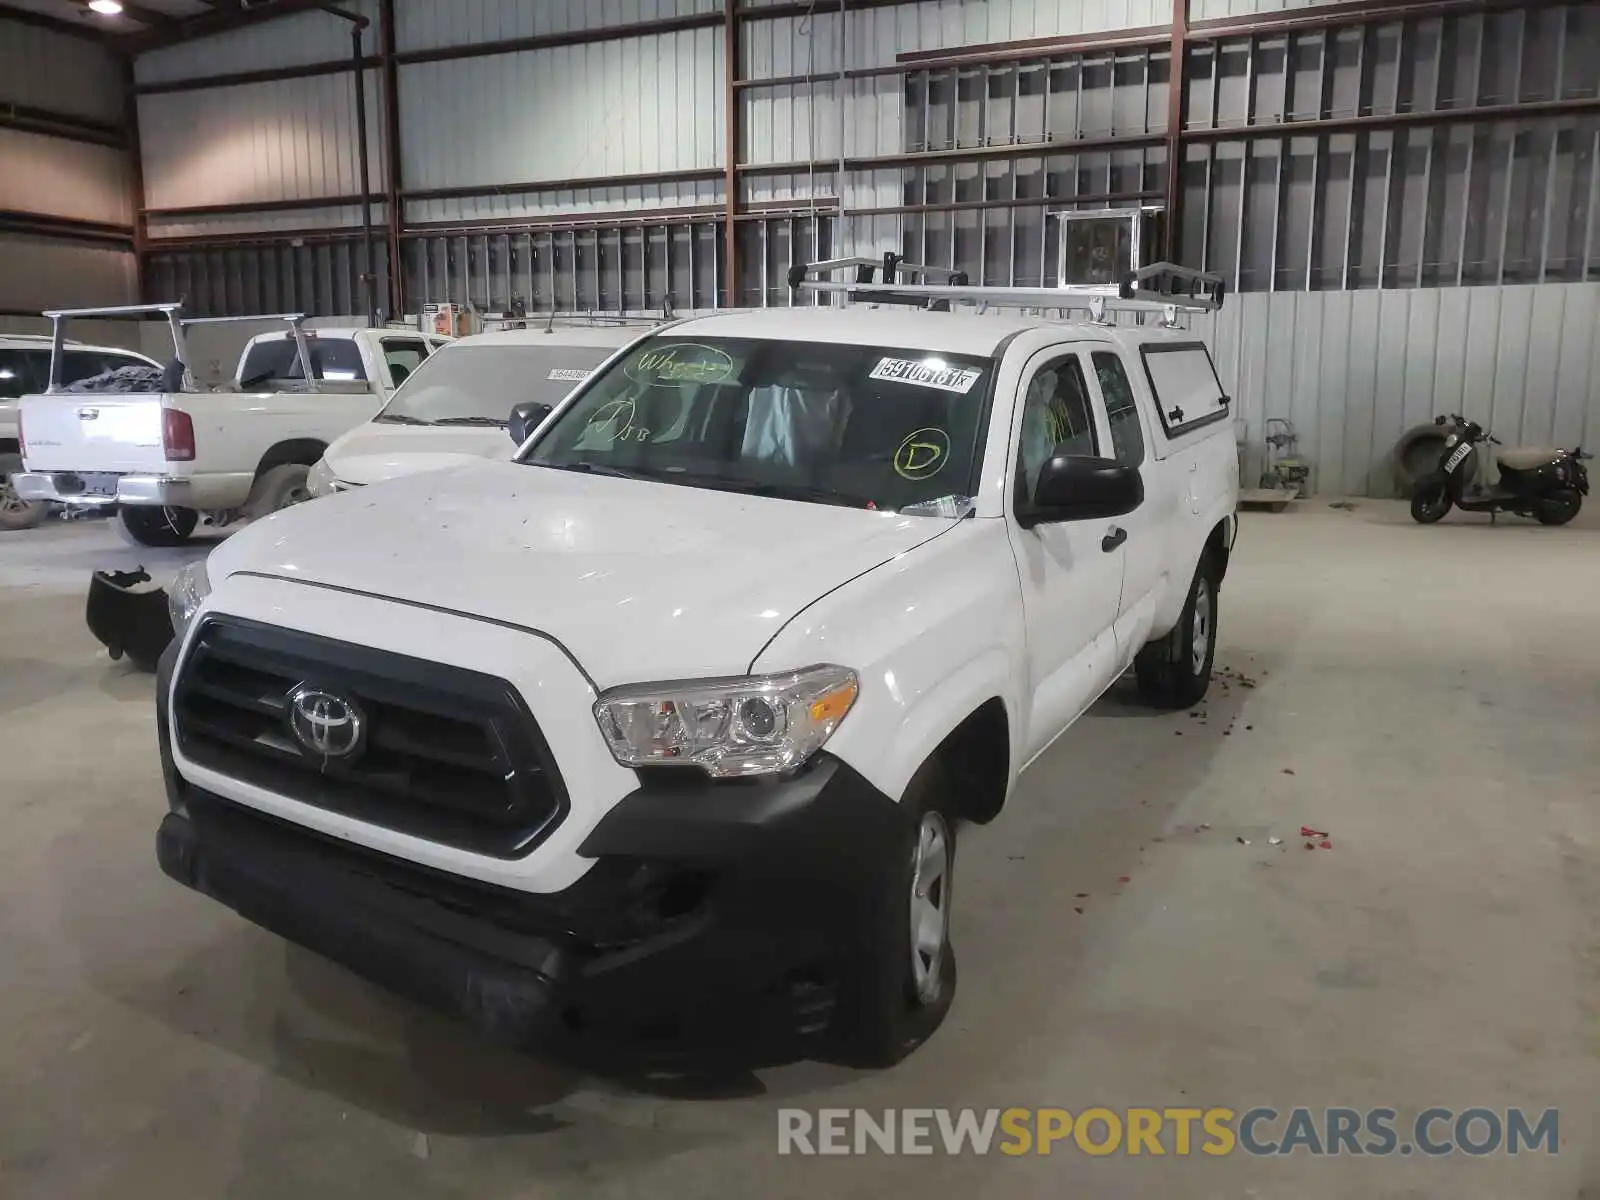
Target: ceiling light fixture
107,8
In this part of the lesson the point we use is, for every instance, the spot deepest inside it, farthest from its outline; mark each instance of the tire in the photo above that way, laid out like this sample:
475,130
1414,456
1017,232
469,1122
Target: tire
1431,500
1559,507
1175,671
278,488
900,990
15,512
142,526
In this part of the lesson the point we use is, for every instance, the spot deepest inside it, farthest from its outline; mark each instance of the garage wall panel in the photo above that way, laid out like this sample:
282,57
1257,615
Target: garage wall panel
64,178
40,68
435,24
1206,10
39,274
287,42
1354,370
125,334
650,104
264,142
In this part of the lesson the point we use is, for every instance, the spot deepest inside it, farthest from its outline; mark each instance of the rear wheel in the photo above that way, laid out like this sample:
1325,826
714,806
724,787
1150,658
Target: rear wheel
157,526
1431,500
1175,671
15,512
903,985
1559,507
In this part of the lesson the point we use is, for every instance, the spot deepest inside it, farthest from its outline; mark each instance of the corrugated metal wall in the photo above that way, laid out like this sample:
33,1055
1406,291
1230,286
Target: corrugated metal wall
54,186
64,178
1347,238
37,274
43,69
260,143
570,112
1354,370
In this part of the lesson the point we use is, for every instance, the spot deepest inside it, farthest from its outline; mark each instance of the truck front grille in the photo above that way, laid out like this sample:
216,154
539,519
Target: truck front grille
441,753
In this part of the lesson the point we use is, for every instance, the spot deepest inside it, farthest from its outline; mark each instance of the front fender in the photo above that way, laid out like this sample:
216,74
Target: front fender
933,635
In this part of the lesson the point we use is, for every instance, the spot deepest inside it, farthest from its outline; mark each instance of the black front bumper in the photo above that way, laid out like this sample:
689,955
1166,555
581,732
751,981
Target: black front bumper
716,917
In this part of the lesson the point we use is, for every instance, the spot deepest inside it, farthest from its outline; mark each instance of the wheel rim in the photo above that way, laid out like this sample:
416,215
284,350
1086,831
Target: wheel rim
930,905
1200,640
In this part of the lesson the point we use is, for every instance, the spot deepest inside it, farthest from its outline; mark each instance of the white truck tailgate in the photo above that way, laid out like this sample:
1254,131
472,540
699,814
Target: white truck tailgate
93,432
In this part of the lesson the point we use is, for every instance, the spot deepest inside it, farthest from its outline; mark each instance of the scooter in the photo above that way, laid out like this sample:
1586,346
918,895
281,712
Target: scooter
1547,483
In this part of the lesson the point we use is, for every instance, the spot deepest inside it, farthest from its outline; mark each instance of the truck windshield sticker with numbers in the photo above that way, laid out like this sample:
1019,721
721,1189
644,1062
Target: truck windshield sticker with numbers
929,372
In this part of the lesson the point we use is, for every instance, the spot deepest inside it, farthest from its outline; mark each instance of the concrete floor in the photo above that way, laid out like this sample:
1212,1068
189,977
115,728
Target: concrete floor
1433,692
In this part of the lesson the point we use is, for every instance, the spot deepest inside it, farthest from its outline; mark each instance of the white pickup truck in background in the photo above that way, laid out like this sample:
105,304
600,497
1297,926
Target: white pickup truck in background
461,404
167,452
24,368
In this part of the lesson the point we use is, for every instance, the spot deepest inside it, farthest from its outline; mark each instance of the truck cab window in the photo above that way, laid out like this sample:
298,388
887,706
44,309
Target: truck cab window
403,356
1127,439
1056,418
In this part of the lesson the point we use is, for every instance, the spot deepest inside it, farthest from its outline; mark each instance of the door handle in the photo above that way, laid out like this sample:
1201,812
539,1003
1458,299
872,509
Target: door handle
1115,538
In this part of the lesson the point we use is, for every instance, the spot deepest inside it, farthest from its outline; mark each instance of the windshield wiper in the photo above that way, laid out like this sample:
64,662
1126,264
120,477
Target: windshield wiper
400,419
483,421
592,468
792,491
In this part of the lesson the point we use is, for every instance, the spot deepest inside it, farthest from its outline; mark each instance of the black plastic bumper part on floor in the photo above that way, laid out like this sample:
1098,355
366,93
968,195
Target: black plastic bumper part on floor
717,916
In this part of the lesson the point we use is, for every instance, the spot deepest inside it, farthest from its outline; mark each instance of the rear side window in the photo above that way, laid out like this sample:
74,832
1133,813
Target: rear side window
1187,391
23,372
333,359
1127,439
78,365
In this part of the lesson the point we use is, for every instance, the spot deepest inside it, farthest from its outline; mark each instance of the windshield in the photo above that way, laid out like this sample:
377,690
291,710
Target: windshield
469,383
873,427
332,359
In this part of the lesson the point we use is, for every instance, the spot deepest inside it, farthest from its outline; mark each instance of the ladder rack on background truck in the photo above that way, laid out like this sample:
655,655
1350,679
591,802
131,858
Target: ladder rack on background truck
1163,288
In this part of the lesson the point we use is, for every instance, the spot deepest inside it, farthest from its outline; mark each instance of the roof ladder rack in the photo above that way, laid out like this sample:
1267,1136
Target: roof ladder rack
1163,288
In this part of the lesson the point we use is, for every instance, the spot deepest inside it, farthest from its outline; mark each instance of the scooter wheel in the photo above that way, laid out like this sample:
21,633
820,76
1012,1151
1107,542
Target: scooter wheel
1430,501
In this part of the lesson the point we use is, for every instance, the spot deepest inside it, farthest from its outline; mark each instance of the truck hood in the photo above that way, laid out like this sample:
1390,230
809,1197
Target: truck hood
371,453
639,581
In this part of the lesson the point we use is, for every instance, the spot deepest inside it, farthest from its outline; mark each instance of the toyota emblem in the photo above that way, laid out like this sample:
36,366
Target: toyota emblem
328,726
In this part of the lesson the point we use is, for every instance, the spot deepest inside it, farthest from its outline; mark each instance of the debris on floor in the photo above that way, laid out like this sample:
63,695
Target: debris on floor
1343,505
1274,841
1307,832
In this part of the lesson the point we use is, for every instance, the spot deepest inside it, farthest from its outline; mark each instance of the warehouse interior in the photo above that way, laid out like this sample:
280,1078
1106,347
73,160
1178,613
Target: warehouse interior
1362,873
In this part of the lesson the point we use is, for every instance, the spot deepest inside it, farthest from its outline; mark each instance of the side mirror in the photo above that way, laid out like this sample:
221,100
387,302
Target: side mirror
1076,487
525,418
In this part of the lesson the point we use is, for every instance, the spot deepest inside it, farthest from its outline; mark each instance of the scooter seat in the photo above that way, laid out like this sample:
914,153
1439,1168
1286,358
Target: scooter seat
1527,458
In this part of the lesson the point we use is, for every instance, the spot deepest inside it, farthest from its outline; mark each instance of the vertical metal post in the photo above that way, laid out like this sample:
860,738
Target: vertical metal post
130,129
1594,201
1472,145
730,177
368,276
391,141
1176,75
1277,210
1549,204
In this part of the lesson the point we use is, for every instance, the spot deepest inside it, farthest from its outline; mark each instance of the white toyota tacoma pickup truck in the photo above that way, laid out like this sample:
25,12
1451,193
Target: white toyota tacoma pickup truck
660,735
167,452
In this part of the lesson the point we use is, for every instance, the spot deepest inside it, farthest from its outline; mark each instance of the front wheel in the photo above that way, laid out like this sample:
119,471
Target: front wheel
157,526
1175,671
1431,500
902,988
1559,507
15,512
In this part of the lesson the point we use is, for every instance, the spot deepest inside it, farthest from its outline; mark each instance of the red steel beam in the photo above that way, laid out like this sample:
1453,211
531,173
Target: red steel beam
391,155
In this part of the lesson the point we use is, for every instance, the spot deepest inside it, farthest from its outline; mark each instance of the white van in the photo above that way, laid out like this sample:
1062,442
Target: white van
457,405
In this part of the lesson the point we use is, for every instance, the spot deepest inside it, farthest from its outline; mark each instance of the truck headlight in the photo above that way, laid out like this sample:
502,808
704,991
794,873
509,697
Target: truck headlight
756,725
187,593
320,479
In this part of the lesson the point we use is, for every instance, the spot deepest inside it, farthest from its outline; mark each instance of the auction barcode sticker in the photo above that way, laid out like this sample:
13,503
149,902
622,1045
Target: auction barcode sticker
569,374
946,379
